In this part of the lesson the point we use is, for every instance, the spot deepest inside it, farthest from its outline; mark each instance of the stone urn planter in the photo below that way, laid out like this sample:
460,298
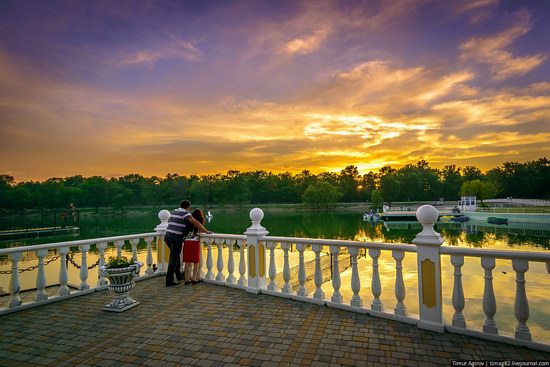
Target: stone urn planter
120,272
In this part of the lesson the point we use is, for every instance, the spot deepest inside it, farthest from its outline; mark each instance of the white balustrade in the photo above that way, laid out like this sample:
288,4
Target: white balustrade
336,282
427,247
521,306
102,246
458,292
149,258
209,261
242,264
63,273
355,281
302,290
84,268
220,277
41,294
376,286
134,242
489,301
230,265
15,286
400,308
272,286
287,288
318,294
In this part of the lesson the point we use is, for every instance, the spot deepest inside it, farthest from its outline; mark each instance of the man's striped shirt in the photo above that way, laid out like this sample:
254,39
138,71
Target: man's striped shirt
177,221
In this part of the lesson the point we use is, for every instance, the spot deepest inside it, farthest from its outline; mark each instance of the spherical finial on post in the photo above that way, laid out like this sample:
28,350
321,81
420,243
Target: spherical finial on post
256,215
427,215
163,215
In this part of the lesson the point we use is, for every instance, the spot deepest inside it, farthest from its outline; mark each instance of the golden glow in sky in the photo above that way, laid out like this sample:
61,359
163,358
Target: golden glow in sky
112,88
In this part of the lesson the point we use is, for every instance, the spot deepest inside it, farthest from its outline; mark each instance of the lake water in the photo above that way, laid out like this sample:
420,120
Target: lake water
349,225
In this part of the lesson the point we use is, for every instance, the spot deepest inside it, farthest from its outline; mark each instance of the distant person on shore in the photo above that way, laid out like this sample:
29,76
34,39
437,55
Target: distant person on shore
192,248
74,211
179,219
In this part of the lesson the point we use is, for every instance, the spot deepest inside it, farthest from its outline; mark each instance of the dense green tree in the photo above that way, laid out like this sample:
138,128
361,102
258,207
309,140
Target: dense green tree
321,195
480,189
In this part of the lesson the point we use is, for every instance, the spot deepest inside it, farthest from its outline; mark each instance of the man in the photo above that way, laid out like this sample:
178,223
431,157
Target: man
174,239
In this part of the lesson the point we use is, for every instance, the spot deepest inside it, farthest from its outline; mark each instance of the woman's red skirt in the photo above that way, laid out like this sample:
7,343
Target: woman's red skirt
191,251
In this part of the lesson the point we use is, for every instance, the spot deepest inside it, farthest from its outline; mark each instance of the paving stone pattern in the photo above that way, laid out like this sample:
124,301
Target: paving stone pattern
209,325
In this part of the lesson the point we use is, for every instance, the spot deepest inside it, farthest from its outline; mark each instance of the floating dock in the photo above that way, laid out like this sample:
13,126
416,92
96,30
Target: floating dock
37,232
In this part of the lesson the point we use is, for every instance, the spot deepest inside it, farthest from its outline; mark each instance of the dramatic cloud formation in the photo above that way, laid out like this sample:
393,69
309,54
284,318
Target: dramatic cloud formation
201,87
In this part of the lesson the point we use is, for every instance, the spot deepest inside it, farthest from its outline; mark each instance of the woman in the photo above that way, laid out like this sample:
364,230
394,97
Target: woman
192,248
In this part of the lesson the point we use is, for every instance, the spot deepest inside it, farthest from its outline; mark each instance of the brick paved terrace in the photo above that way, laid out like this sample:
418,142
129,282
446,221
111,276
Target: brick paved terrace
211,325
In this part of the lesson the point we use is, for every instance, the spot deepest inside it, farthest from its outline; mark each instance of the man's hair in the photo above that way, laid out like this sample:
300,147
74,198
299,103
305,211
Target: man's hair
185,204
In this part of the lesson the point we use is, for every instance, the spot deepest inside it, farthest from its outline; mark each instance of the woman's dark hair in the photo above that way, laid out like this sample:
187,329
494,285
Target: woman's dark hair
198,215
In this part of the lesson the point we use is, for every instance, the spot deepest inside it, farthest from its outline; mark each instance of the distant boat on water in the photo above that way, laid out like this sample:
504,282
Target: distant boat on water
495,220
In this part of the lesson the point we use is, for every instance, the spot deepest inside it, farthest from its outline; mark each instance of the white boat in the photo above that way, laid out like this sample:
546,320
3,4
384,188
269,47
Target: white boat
371,217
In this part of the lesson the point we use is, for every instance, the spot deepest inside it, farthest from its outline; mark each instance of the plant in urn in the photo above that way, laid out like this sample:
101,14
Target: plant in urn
120,271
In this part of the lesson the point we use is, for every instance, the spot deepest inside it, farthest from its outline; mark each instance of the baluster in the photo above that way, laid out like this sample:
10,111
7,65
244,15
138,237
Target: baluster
201,259
336,295
134,242
231,265
458,292
209,262
220,277
489,301
521,306
84,268
287,288
400,309
272,286
41,294
376,287
355,281
318,294
63,273
302,290
102,280
149,258
15,286
118,245
242,264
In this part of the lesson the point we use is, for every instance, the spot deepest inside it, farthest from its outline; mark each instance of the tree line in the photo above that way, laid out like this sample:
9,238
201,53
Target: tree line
412,182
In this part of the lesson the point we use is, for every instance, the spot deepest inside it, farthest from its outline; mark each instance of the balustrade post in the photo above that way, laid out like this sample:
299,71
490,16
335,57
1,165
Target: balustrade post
302,290
489,301
287,288
355,281
230,265
319,294
15,286
521,306
256,252
376,304
400,309
242,264
220,277
102,247
201,259
63,273
272,267
149,258
162,248
458,292
84,268
41,294
428,243
336,283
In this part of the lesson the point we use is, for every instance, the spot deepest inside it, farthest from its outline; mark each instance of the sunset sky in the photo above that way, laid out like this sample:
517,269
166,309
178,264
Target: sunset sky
191,87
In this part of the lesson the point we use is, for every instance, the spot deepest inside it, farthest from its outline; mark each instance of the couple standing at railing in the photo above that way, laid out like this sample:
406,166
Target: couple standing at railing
182,225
